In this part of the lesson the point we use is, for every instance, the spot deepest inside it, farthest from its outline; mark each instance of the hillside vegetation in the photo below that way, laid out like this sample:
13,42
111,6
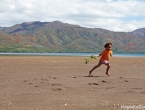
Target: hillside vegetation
62,37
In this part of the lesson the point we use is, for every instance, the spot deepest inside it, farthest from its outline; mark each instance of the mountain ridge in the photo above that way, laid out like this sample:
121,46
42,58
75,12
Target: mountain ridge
63,37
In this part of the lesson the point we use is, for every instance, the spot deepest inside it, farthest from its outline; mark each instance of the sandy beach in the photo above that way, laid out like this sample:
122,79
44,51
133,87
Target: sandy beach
62,83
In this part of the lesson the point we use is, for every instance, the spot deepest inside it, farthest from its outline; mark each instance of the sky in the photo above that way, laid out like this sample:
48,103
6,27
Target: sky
114,15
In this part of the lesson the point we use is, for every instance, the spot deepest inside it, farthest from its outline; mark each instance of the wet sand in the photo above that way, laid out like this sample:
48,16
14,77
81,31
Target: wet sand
62,83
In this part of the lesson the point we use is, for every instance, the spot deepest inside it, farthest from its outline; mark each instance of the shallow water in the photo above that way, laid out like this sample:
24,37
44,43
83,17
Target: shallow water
68,54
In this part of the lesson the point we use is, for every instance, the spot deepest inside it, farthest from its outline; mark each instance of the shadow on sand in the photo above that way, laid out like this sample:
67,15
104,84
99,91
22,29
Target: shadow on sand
94,76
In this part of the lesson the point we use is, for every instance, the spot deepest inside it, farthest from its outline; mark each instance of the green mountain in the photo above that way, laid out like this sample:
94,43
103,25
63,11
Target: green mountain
62,37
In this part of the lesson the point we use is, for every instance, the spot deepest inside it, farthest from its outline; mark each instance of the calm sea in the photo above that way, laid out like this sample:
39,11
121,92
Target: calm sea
67,54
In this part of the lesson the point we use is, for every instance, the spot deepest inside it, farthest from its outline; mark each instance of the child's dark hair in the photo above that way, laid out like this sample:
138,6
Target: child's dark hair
107,44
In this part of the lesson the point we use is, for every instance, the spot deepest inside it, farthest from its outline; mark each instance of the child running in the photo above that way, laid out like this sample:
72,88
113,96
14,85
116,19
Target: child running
105,55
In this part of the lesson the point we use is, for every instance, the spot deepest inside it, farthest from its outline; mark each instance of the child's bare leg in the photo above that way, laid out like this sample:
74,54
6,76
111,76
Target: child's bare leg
99,64
108,67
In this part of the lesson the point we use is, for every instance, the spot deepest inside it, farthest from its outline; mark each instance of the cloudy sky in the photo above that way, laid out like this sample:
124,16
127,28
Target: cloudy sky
114,15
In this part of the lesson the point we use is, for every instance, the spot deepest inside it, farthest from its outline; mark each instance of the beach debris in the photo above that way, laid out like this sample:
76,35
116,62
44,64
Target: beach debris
65,104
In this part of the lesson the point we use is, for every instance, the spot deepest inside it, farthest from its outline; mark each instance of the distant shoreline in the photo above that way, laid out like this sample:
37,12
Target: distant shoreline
68,54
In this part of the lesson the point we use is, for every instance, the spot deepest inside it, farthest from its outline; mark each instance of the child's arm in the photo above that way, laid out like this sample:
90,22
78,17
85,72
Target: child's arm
111,55
98,55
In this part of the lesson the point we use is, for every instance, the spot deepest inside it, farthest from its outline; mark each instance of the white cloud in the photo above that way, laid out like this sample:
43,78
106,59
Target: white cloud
106,14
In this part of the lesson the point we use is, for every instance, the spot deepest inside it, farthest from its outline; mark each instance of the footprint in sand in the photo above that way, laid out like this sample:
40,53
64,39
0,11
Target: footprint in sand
93,84
36,86
133,90
42,82
110,87
56,89
35,81
56,84
129,92
123,78
137,88
27,81
104,81
126,81
44,79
